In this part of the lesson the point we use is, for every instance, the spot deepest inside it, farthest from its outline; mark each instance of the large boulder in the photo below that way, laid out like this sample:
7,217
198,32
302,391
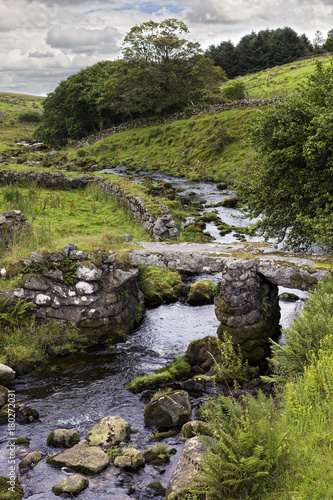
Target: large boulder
109,431
72,485
187,469
81,458
202,292
63,438
169,410
7,375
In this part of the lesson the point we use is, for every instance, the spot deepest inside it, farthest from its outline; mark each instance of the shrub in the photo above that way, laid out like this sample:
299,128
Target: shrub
29,117
247,448
235,91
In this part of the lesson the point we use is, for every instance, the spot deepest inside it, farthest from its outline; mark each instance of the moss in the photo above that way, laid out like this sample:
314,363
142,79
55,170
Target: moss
202,292
178,370
159,285
5,494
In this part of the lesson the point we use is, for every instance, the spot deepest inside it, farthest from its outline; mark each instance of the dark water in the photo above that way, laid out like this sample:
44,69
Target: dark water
75,391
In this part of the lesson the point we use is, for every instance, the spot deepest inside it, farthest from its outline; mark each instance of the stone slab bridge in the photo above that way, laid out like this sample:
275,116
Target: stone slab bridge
247,305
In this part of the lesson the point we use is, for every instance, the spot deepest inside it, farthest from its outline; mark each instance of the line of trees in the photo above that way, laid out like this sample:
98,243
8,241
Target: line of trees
257,51
160,73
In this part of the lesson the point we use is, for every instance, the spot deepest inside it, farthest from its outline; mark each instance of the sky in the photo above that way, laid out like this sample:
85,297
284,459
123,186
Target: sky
42,42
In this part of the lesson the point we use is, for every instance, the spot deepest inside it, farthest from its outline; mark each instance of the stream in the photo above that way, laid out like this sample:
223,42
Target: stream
75,391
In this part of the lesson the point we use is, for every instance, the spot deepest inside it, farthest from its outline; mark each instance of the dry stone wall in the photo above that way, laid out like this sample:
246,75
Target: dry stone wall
94,292
158,225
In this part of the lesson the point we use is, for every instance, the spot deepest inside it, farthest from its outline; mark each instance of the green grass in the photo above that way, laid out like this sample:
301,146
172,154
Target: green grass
90,217
11,130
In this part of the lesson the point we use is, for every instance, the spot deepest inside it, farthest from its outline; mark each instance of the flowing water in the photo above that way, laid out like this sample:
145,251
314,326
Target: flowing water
74,392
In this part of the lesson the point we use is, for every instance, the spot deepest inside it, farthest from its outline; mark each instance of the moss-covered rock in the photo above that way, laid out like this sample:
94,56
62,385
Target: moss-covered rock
29,461
202,352
195,427
63,438
202,292
72,485
288,297
159,285
109,431
81,458
10,489
130,459
168,410
3,396
178,370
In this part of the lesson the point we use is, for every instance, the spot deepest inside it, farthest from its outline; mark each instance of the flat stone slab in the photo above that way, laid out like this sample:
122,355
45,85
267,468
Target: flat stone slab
82,457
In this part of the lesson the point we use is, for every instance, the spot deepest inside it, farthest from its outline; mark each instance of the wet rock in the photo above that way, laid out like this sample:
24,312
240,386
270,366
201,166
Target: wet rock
7,375
288,297
83,457
109,431
26,415
195,427
169,410
187,469
3,396
157,489
155,458
63,438
72,485
202,352
130,458
29,461
202,292
221,186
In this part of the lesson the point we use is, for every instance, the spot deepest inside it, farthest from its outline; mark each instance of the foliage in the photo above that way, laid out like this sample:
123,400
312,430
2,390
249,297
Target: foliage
229,365
12,311
289,183
257,51
247,446
114,452
71,110
235,91
304,340
29,117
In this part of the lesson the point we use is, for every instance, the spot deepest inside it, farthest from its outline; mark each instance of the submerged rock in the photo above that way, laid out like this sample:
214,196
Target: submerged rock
109,431
169,410
63,438
72,485
82,457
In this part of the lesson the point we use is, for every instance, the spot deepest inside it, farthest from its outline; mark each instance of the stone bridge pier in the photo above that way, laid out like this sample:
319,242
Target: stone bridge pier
248,308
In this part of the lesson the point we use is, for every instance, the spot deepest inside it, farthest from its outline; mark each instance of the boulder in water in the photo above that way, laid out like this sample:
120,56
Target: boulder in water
130,459
109,431
72,485
81,458
29,461
169,410
202,292
63,438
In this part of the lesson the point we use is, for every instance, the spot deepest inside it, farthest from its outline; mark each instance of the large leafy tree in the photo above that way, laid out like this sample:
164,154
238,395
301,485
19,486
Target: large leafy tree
290,186
161,71
71,110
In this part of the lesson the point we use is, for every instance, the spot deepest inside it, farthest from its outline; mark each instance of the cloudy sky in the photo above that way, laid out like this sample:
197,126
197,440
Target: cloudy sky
44,41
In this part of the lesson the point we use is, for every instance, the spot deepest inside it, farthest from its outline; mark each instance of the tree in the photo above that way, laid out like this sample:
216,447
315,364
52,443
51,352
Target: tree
328,45
160,73
71,110
290,184
318,41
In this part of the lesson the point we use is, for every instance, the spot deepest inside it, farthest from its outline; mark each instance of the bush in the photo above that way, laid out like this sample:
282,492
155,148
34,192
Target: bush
235,91
247,448
29,117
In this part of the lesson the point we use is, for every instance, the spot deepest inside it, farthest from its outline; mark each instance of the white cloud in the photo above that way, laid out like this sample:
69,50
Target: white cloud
82,40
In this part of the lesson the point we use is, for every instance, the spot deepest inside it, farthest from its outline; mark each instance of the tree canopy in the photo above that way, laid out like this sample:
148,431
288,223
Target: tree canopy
256,51
161,72
291,184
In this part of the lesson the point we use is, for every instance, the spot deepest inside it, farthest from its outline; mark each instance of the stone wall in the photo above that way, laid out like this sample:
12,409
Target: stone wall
248,308
11,221
158,225
95,292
